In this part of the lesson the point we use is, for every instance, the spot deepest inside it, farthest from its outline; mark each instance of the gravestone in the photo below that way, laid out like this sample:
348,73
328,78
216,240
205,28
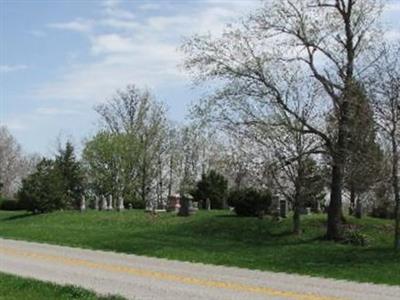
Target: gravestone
184,208
110,202
208,204
96,202
195,206
130,206
174,203
283,208
103,203
83,204
318,208
120,203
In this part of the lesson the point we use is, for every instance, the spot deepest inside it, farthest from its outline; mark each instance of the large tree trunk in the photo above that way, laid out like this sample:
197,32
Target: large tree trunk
359,208
297,201
335,205
296,220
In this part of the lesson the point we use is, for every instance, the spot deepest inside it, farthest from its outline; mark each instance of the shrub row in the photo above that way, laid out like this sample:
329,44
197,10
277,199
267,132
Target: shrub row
250,202
9,204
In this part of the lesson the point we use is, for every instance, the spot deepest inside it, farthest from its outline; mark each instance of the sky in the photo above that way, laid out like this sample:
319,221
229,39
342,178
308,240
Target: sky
59,58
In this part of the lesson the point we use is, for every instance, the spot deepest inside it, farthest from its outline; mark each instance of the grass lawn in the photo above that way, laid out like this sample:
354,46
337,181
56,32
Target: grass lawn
16,288
218,237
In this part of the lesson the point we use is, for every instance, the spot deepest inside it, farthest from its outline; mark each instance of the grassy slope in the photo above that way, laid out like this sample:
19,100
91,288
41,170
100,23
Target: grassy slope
16,288
218,238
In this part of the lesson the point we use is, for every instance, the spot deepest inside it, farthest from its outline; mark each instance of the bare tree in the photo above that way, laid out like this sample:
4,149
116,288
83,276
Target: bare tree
386,93
293,154
13,165
262,58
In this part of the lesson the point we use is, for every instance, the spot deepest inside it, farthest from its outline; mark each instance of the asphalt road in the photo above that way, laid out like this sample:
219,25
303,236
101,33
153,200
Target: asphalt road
138,277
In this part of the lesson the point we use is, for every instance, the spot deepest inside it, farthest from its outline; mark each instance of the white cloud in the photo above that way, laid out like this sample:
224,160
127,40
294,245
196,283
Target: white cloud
111,43
15,124
142,50
150,6
12,68
76,25
54,111
163,23
393,7
119,24
37,33
110,3
111,9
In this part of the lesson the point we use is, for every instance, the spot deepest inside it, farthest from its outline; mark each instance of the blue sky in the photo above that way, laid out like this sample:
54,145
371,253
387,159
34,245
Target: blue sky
59,58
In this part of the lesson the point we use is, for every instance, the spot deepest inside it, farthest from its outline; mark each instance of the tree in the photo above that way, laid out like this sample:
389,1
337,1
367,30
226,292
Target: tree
364,157
258,63
72,175
44,190
295,173
250,201
11,163
112,165
386,93
55,184
138,115
214,187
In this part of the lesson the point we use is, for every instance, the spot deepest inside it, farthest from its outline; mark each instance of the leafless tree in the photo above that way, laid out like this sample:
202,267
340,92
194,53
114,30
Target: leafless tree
258,62
13,165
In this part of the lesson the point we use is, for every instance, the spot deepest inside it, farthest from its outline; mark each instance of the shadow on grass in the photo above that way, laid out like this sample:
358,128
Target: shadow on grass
20,216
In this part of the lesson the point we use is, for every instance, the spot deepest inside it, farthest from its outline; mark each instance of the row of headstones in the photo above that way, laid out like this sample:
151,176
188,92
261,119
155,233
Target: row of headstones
103,204
284,209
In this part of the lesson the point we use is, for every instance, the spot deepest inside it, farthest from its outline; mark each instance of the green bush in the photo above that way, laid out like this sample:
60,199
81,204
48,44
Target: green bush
212,186
250,202
353,236
8,204
133,202
382,212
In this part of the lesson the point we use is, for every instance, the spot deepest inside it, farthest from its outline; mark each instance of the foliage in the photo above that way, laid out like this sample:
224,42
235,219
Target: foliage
353,235
212,186
9,204
71,174
111,161
313,184
137,117
56,184
249,201
43,191
383,211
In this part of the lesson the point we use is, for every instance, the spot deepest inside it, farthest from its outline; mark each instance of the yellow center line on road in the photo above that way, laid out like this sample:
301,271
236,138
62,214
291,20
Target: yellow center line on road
239,287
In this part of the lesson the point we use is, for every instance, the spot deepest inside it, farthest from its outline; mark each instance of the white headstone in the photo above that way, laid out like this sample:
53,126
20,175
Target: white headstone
96,202
120,203
103,203
110,202
83,203
208,204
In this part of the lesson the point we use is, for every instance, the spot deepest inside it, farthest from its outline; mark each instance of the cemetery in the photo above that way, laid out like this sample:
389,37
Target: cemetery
262,135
